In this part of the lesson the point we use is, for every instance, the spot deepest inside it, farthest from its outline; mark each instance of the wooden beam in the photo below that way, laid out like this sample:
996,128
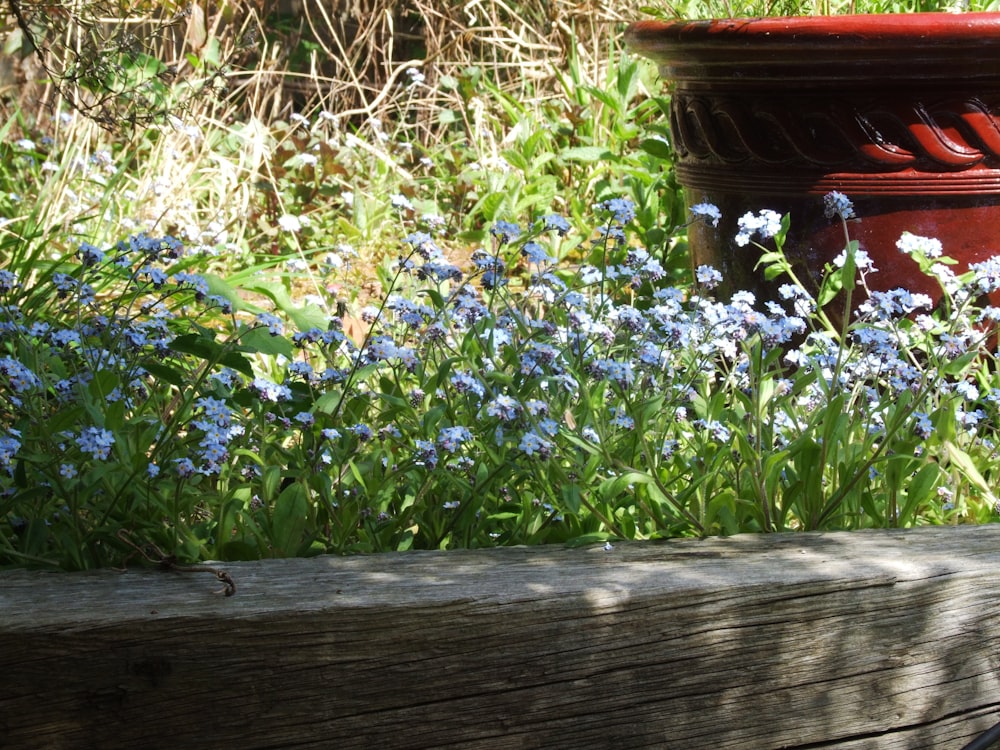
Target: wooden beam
880,639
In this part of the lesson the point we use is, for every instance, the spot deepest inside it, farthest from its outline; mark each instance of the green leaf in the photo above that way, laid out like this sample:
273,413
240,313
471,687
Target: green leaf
490,205
849,271
920,490
572,499
358,476
272,480
405,542
804,455
506,516
236,361
832,284
963,461
260,341
211,54
199,344
515,159
584,540
240,551
957,366
606,98
220,288
657,148
723,504
166,373
588,154
288,521
304,318
326,403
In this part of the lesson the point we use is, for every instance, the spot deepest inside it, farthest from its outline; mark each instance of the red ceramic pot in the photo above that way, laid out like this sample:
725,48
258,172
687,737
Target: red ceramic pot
901,113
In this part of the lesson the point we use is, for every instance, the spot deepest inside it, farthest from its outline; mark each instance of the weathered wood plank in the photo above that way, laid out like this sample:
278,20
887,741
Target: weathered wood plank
885,640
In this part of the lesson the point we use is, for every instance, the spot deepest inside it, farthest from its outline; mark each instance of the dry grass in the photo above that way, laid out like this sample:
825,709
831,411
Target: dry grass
240,71
281,56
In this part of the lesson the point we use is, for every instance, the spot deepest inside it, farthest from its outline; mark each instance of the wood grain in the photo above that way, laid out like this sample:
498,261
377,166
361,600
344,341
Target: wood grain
887,640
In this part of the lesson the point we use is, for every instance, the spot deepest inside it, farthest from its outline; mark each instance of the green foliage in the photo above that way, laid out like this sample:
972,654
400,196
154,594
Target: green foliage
357,350
528,402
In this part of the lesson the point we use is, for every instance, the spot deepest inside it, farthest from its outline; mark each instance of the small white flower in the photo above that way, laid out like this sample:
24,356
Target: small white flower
765,225
193,132
947,277
608,546
967,390
401,202
290,223
709,212
708,277
862,261
913,243
987,274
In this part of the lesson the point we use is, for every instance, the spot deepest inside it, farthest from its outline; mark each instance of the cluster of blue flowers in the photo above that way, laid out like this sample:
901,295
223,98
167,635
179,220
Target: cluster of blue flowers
89,353
500,383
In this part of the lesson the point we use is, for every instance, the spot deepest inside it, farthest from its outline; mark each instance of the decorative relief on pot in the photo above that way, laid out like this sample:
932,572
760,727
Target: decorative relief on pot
820,136
900,112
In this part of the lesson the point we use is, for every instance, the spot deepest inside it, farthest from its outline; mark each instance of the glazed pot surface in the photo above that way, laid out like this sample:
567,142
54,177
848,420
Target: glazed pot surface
901,113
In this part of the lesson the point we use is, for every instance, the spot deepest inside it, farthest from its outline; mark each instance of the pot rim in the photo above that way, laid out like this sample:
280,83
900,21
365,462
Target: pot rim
869,26
901,46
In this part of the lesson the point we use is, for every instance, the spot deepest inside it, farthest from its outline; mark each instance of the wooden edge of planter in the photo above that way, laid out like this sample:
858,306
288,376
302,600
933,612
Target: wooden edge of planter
881,639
